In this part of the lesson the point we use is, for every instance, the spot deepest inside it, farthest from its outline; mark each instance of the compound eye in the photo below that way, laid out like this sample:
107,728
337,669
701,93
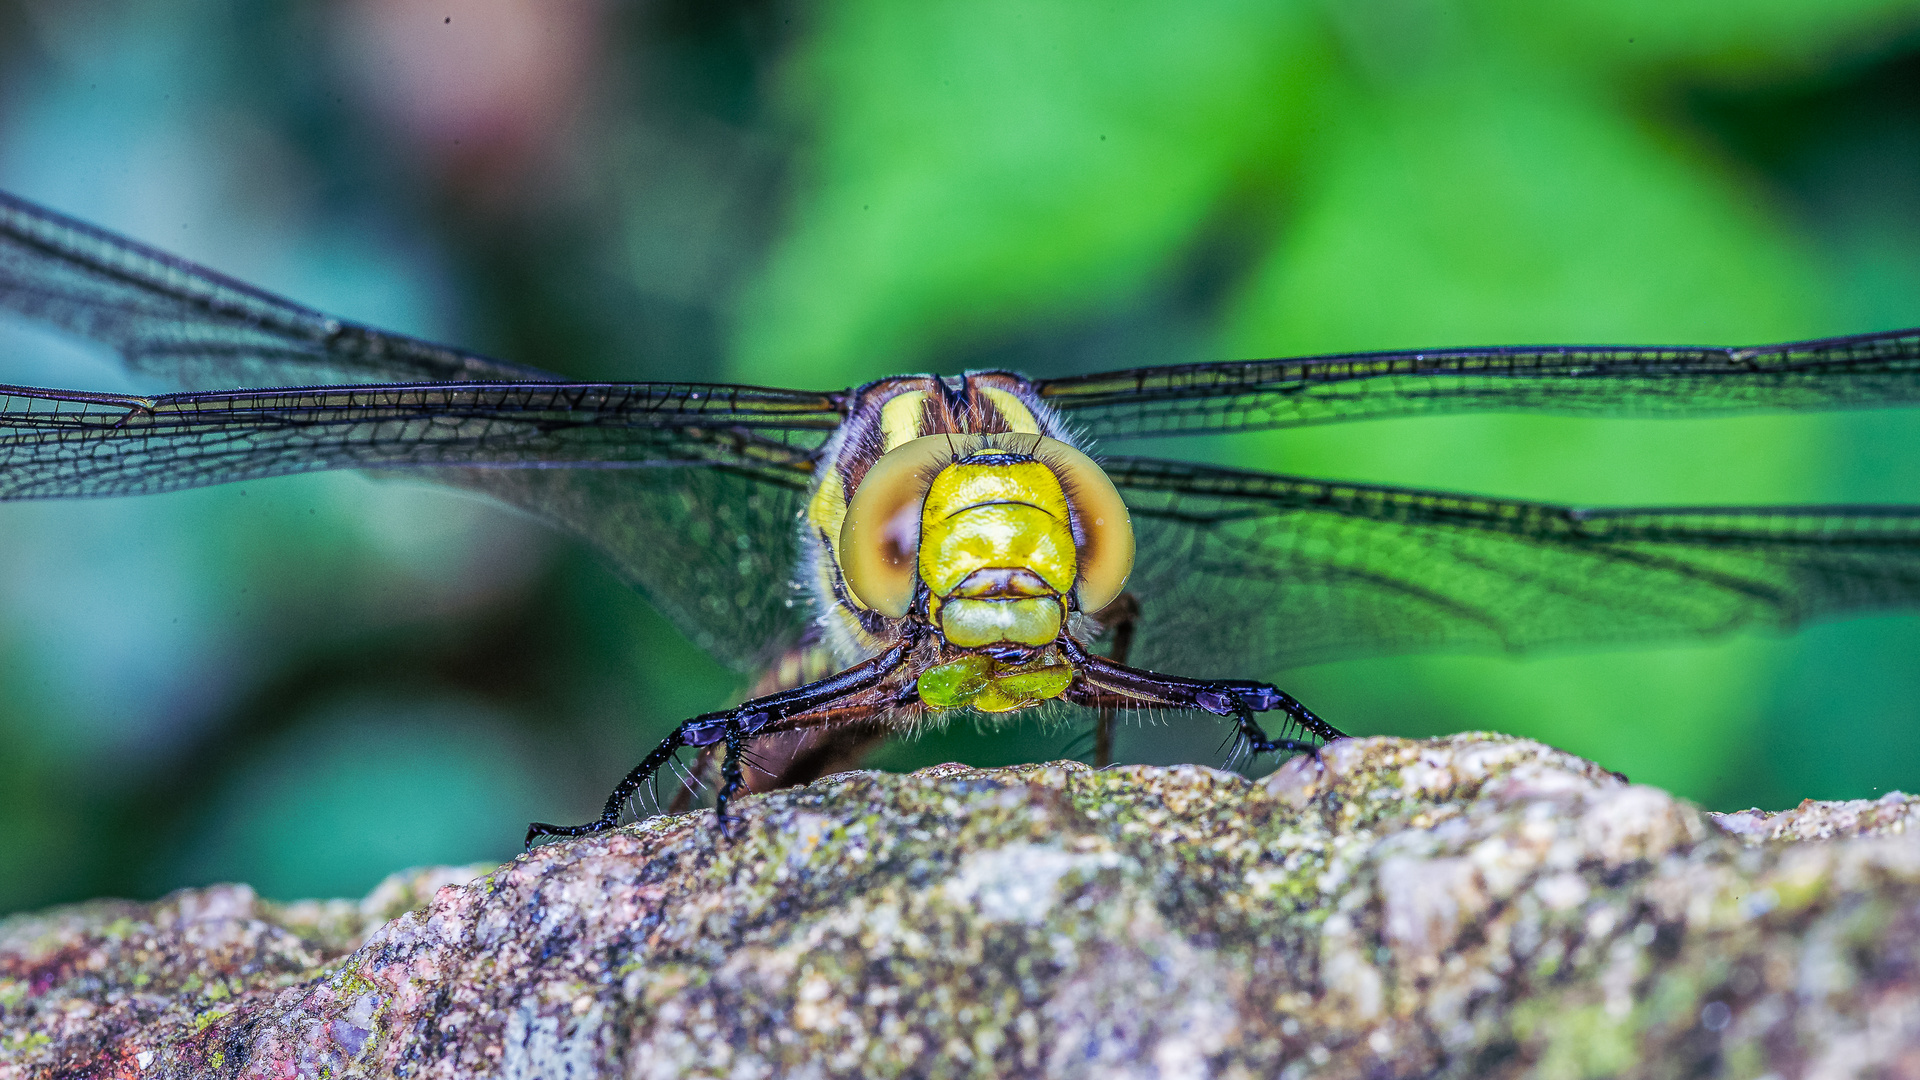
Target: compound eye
1106,529
880,538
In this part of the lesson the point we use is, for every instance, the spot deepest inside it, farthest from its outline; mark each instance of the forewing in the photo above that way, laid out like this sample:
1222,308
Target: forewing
691,492
1243,574
62,444
715,549
168,317
1866,369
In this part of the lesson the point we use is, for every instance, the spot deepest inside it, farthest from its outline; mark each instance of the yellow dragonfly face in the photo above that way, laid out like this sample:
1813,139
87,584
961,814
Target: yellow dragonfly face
962,506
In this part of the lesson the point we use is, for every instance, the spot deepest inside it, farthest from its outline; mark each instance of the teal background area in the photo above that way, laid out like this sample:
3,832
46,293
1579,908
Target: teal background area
309,682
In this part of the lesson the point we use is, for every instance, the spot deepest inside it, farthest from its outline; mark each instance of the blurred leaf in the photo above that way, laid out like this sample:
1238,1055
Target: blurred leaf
1757,38
973,167
361,790
976,165
1503,207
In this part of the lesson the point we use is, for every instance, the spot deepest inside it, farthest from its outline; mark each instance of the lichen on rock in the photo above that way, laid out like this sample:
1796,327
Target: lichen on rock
1471,906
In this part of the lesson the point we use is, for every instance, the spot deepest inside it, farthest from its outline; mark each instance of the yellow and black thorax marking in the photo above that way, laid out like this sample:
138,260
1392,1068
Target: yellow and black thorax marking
966,506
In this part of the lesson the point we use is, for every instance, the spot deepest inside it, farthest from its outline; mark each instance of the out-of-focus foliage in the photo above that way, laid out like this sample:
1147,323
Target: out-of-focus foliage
1390,172
307,682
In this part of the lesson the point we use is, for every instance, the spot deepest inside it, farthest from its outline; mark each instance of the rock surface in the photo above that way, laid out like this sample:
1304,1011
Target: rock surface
1476,906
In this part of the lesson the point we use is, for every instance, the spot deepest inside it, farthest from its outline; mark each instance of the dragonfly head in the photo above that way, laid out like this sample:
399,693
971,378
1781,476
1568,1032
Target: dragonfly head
1008,534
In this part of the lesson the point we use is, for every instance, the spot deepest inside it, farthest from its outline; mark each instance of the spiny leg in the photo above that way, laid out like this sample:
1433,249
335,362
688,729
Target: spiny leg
702,762
1252,740
827,749
798,757
732,778
1256,737
1104,684
808,754
637,777
828,700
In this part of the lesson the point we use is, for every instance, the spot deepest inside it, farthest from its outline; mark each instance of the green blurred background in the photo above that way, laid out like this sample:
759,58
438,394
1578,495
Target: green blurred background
309,682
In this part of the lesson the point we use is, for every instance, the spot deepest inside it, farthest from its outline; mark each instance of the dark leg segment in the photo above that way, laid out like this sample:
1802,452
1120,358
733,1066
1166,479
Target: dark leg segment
1103,682
730,779
736,727
1260,742
610,816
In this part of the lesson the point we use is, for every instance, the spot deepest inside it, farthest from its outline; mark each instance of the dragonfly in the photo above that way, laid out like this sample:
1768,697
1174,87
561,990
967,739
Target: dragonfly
893,554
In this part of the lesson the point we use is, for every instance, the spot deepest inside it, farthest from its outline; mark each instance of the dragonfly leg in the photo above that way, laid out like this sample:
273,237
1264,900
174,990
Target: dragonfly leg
695,777
816,752
1259,742
636,778
1105,684
736,727
732,778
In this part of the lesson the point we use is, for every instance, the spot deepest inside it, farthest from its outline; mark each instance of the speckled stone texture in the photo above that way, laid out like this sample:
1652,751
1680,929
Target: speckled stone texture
1476,906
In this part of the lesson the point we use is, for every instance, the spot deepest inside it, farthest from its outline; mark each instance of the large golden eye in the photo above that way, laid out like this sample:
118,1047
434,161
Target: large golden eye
1106,529
880,539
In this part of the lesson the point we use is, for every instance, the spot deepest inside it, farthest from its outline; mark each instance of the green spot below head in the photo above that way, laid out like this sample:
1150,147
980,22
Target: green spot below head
954,684
1038,683
982,683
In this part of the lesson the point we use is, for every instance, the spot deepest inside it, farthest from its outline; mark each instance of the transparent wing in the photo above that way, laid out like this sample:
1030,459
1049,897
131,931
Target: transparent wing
691,492
715,549
63,444
169,317
1866,369
1244,574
